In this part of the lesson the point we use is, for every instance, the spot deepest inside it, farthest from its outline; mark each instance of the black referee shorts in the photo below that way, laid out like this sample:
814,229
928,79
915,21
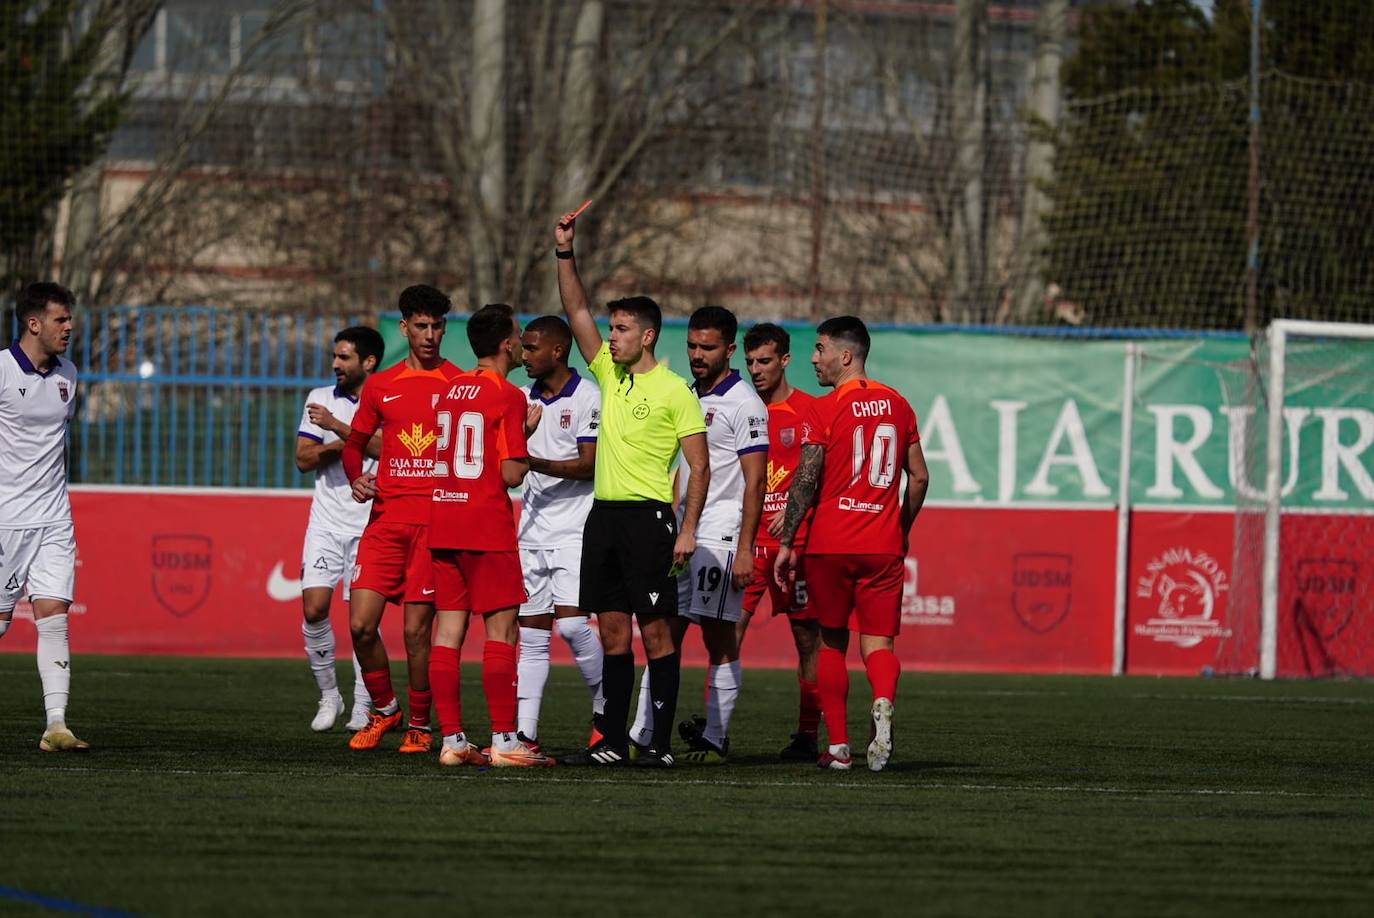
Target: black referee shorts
627,551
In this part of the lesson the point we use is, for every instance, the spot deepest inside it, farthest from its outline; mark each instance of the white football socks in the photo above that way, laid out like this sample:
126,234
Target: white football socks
361,697
455,740
504,742
587,652
643,730
4,626
722,691
54,665
532,674
319,650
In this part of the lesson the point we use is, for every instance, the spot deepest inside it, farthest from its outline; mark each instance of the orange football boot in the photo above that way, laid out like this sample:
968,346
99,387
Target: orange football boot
377,724
417,740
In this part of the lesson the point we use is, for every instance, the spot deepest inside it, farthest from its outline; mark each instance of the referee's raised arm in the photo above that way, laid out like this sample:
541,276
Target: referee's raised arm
571,292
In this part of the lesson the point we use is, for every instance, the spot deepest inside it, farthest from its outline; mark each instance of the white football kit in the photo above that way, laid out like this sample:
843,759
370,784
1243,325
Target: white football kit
336,519
553,510
736,424
37,541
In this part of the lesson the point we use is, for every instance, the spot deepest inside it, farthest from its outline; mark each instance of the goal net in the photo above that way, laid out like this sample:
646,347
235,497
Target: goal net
1302,602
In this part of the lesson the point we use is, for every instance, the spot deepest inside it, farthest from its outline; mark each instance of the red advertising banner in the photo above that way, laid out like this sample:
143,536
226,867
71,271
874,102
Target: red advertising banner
1178,591
1180,587
1326,621
186,571
208,572
1010,590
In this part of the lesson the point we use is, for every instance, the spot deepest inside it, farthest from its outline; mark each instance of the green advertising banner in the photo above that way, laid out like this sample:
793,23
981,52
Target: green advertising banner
1009,420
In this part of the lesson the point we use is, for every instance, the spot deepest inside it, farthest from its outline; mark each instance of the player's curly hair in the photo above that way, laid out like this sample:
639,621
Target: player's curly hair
423,300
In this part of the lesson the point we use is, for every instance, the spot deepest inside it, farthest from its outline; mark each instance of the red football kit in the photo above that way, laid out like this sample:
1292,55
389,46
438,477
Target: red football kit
854,553
472,525
393,555
785,423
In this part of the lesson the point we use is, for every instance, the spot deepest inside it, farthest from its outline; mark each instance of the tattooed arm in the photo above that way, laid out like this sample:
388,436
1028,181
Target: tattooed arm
799,499
803,491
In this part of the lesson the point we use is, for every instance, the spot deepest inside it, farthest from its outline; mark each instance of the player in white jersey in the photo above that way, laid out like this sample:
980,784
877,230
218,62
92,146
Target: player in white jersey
37,541
558,495
336,519
711,588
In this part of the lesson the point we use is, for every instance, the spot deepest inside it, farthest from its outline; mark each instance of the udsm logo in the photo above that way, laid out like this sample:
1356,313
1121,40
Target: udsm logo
1326,594
182,567
1042,589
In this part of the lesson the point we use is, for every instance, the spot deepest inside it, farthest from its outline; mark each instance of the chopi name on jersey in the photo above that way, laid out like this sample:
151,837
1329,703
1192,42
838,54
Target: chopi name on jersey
872,409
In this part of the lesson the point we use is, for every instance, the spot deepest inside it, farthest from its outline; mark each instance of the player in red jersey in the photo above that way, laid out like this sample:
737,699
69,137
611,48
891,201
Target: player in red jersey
767,352
863,438
393,557
472,534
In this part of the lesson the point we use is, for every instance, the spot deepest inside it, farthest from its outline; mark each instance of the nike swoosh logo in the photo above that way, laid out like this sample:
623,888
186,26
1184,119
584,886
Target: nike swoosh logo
426,592
282,588
390,398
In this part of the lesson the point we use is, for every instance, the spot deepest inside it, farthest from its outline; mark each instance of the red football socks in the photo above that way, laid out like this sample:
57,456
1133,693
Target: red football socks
445,685
378,684
498,683
832,679
419,708
883,669
809,719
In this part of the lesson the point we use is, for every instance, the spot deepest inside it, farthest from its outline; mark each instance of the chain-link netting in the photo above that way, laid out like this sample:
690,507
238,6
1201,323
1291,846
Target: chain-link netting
1028,162
1325,591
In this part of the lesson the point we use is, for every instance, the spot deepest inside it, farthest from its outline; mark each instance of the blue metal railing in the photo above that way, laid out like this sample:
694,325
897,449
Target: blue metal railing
191,395
211,397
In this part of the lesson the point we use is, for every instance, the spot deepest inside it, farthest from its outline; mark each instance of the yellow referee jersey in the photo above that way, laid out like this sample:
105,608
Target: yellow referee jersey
643,416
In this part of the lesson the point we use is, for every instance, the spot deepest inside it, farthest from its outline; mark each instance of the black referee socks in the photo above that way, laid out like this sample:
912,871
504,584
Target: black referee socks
664,675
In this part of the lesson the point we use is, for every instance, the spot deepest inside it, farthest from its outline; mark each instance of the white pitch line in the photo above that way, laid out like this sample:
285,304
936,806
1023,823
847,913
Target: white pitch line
470,774
914,696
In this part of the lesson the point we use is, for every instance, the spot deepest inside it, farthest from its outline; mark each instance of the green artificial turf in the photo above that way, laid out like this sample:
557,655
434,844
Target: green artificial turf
207,794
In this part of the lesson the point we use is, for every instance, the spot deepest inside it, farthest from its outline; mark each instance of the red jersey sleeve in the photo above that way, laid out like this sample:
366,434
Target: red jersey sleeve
362,427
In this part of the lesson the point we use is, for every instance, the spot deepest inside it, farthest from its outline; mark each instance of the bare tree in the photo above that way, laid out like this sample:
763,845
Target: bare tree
183,207
1045,98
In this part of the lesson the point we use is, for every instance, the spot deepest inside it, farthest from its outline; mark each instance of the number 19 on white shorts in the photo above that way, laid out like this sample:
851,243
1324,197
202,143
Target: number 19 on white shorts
704,589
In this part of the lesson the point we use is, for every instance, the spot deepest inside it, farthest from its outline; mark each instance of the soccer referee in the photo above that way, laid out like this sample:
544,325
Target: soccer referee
631,545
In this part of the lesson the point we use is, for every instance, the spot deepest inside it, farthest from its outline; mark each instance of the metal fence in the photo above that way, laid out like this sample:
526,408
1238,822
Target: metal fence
187,395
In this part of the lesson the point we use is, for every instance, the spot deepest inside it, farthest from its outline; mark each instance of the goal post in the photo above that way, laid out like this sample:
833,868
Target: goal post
1331,364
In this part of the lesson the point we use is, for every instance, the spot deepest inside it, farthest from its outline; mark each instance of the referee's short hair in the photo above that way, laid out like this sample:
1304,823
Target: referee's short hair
644,310
34,299
366,341
553,328
423,300
488,327
765,333
849,329
717,317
